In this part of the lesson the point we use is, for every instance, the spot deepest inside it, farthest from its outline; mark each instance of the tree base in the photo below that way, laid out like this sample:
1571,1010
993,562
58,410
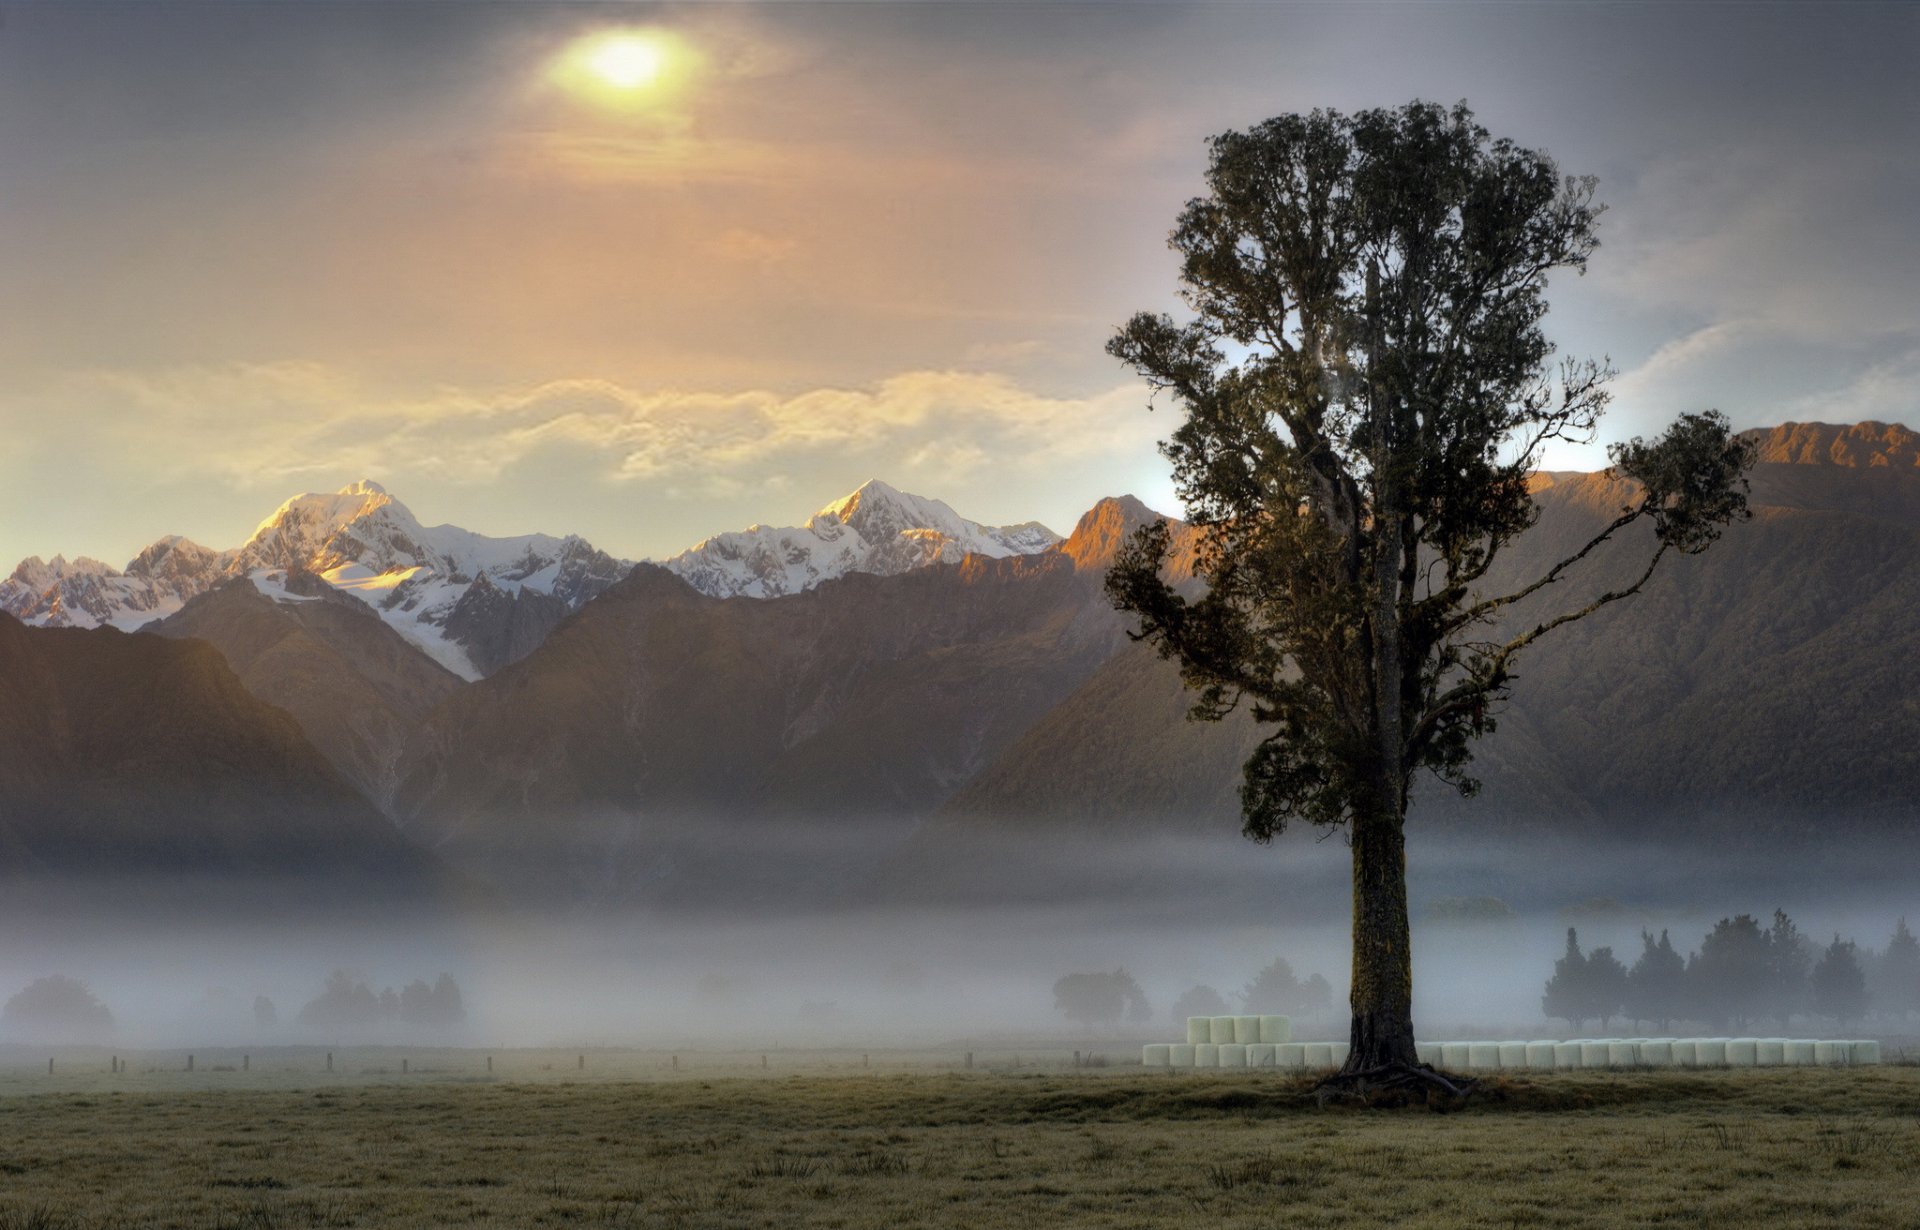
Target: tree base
1397,1084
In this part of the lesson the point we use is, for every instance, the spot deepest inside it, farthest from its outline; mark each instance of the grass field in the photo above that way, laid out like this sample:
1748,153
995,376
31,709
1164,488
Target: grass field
989,1148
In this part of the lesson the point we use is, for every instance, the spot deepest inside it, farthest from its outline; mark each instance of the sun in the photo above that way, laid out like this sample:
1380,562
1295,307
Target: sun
624,69
627,61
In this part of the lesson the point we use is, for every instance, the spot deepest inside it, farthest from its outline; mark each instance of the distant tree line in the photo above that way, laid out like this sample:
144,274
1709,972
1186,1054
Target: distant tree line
1107,998
348,1003
1742,974
56,1007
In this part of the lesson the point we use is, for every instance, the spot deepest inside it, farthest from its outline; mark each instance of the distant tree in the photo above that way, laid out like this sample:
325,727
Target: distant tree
1275,989
265,1016
449,1008
1656,986
1366,392
343,1004
1896,974
1199,1001
1604,985
1564,996
1789,959
1100,999
56,1008
1316,995
1731,976
1839,984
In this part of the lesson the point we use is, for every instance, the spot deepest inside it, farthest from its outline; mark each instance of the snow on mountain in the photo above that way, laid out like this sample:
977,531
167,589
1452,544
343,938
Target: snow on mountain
877,529
361,541
85,593
475,603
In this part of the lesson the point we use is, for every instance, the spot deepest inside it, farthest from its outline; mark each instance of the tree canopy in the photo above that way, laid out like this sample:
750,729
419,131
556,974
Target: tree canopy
1366,391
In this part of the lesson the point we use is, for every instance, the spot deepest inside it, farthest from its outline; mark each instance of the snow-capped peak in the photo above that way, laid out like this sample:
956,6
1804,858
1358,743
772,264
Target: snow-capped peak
877,529
360,540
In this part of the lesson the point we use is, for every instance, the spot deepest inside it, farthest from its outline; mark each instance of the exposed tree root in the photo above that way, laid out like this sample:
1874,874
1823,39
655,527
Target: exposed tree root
1397,1084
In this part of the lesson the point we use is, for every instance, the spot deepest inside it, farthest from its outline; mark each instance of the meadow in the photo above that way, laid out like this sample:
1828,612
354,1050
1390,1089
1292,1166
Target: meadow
820,1140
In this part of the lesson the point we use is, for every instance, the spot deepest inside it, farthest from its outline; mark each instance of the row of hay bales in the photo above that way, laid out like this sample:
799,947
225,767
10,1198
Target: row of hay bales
1238,1030
1648,1053
1586,1053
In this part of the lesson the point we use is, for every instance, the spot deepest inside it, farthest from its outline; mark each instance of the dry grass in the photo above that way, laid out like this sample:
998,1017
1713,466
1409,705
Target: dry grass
1798,1148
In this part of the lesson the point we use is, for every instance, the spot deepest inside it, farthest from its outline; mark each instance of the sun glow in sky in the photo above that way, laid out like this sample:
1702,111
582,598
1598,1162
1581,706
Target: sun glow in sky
623,68
647,274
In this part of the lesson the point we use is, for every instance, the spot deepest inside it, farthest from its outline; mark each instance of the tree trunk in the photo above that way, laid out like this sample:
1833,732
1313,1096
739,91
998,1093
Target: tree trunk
1382,995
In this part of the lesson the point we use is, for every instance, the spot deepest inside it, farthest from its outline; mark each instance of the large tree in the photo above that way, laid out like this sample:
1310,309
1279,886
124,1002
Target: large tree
1366,392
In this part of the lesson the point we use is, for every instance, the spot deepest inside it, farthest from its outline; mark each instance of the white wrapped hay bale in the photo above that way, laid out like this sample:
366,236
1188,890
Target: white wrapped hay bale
1290,1055
1260,1055
1246,1029
1743,1052
1832,1052
1221,1028
1156,1054
1513,1055
1799,1052
1623,1053
1276,1029
1340,1052
1683,1053
1483,1056
1597,1053
1453,1056
1206,1055
1710,1052
1566,1055
1770,1052
1657,1052
1199,1029
1319,1055
1863,1051
1180,1055
1427,1053
1540,1056
1231,1055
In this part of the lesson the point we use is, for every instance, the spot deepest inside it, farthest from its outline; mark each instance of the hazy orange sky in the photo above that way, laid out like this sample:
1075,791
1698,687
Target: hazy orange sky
248,249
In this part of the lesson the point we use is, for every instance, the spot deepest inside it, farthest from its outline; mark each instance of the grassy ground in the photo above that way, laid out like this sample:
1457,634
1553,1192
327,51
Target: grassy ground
1783,1147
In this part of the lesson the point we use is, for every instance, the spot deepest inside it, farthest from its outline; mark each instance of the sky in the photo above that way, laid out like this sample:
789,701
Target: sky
253,249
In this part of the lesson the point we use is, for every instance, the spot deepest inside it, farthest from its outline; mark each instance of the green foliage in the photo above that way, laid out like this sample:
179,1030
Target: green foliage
1604,985
1275,989
1839,984
1789,959
1366,390
1565,995
1896,981
1198,1001
1101,998
347,1003
1732,974
1656,986
55,1005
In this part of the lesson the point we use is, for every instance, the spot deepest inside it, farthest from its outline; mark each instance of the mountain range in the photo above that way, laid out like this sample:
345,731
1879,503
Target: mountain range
926,686
475,603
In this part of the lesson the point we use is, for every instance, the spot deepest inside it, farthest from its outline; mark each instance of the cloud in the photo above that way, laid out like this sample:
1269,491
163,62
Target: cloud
1887,391
257,425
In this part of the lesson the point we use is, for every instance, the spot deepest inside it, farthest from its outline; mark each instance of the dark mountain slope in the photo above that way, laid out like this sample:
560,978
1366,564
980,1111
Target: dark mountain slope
124,753
1768,685
357,687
